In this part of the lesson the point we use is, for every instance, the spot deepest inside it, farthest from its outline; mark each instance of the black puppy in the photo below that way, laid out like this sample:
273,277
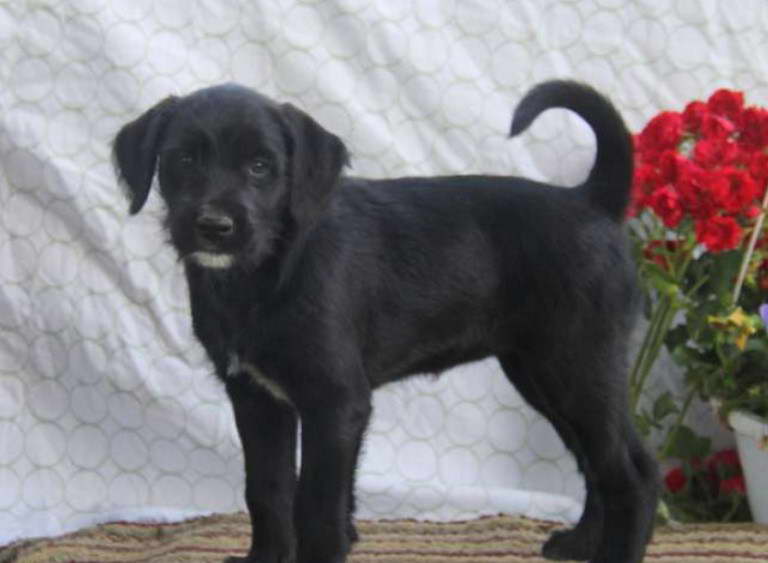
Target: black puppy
309,290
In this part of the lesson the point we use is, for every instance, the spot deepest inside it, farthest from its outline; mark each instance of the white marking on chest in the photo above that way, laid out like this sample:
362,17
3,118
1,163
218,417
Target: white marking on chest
257,376
212,260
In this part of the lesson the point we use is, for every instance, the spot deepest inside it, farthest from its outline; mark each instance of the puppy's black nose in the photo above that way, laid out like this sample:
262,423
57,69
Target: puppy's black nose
214,225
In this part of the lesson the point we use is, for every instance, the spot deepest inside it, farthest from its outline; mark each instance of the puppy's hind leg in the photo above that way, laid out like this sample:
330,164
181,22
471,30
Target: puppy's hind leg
627,478
590,396
581,542
351,529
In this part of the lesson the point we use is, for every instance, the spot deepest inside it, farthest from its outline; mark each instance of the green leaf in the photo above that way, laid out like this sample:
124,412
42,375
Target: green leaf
758,344
664,405
686,444
643,425
655,272
664,287
676,336
688,357
723,271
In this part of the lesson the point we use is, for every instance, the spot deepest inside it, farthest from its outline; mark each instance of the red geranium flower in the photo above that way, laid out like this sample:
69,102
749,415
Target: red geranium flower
754,128
693,116
727,104
717,181
675,480
662,133
758,168
733,485
717,127
715,152
719,233
702,191
644,182
728,457
671,167
666,203
741,192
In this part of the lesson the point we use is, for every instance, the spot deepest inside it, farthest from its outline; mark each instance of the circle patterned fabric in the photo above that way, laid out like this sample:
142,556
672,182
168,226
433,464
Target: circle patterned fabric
108,407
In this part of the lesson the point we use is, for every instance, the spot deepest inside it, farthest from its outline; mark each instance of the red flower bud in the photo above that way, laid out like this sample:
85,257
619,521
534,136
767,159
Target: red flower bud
652,254
675,480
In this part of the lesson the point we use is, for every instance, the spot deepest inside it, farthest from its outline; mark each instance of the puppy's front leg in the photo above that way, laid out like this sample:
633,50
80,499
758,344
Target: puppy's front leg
267,429
330,443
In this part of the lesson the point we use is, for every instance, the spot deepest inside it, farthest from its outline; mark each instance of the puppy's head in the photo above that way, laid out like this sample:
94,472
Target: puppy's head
240,174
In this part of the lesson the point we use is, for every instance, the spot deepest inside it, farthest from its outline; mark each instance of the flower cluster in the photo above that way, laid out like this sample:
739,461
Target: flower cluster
722,472
707,165
712,488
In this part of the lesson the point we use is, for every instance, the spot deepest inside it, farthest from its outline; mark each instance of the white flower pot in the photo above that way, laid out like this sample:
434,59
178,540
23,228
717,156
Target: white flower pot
752,441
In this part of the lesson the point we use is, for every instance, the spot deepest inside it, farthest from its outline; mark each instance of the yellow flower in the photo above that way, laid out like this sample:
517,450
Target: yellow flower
738,321
742,338
739,318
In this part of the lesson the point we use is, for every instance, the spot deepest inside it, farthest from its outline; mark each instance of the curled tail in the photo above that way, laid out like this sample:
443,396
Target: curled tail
609,182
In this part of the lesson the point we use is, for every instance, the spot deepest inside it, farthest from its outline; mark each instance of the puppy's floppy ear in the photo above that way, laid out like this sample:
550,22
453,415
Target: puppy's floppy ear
134,151
316,161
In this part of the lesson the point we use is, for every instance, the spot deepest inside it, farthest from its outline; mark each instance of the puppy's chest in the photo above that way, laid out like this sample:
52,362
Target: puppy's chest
237,334
238,367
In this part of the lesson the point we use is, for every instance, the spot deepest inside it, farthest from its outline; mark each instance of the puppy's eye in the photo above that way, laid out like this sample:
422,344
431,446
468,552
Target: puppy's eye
258,168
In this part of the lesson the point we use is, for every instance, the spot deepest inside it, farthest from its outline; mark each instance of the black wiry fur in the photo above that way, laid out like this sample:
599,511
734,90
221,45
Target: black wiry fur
331,286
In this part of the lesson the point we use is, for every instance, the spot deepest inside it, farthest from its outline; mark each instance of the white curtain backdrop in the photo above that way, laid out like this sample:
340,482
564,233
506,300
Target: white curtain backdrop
108,408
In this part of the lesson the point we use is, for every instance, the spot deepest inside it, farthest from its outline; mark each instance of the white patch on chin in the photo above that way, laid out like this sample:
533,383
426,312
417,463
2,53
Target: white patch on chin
212,260
235,366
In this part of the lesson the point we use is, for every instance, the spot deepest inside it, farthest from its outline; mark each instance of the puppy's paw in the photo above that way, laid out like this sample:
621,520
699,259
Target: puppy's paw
569,545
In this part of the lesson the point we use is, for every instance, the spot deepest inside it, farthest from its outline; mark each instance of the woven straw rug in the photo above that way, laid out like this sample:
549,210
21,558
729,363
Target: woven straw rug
487,540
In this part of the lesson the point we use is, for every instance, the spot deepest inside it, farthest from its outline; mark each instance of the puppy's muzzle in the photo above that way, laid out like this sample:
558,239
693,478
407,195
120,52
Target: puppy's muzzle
213,226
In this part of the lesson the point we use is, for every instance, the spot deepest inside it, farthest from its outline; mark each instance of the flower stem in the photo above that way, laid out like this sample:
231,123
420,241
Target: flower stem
678,422
736,501
661,319
667,311
637,375
633,374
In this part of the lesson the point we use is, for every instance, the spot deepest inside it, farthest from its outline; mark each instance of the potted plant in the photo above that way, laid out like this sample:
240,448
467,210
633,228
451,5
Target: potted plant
698,206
